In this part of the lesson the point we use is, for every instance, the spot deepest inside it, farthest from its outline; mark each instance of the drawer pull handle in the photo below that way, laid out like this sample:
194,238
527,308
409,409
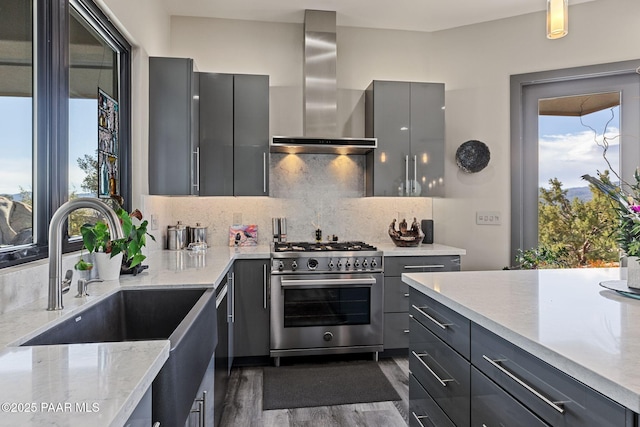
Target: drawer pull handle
419,418
406,295
406,331
441,325
496,364
440,380
415,267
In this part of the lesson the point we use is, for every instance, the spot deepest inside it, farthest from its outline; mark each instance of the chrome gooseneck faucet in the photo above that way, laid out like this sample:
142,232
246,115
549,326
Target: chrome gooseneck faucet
55,241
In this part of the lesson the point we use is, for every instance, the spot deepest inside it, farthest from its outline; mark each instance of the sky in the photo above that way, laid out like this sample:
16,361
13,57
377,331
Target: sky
16,141
567,149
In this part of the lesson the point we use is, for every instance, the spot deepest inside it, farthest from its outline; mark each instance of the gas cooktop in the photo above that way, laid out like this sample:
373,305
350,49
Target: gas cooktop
322,246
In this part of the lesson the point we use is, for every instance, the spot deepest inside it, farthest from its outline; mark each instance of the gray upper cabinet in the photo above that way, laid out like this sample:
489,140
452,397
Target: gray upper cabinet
251,135
216,134
234,134
173,126
408,120
208,132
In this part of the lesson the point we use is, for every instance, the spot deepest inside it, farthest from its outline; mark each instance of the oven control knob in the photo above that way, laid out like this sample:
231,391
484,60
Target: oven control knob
328,336
294,265
356,263
365,264
348,265
339,265
312,263
331,264
281,266
374,263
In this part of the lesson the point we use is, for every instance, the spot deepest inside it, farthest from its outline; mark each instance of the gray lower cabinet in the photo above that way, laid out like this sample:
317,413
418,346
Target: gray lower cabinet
234,134
251,327
203,409
552,395
396,293
173,126
407,118
492,406
476,378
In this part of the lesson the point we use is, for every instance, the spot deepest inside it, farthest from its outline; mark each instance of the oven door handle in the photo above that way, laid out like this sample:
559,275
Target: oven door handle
306,283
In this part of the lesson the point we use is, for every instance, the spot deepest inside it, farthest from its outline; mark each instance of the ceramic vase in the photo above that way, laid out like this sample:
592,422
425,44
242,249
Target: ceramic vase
633,272
108,268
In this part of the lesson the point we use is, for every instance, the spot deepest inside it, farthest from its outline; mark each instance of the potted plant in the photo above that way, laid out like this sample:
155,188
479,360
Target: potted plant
126,253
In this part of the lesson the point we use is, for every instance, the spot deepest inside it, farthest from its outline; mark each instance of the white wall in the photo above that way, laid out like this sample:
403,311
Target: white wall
476,62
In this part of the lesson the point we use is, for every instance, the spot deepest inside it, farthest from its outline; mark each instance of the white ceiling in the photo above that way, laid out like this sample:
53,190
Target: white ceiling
416,15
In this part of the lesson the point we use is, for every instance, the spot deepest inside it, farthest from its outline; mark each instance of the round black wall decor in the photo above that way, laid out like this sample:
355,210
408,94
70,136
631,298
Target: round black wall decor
472,156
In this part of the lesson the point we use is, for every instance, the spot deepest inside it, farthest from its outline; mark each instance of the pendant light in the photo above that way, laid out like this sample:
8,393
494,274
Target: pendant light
557,18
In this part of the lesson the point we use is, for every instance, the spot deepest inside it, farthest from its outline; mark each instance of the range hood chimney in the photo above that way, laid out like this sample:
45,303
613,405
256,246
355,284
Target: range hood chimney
320,119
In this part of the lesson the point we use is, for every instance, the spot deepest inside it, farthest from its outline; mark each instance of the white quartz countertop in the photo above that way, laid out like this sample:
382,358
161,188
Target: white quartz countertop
110,376
433,249
563,317
95,384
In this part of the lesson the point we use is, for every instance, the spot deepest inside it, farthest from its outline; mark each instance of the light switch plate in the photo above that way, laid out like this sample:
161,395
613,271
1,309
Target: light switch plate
488,218
154,222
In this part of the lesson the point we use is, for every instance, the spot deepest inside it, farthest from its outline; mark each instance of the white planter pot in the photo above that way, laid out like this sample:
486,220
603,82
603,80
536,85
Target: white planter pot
108,268
633,272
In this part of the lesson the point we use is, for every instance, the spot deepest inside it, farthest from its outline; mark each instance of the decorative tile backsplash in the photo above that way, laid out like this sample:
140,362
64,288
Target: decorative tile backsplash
307,189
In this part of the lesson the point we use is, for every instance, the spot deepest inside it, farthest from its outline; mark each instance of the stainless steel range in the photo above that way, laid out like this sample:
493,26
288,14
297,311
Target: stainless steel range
326,298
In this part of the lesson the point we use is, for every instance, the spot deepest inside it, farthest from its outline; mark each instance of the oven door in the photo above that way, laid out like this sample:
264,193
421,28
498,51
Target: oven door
326,313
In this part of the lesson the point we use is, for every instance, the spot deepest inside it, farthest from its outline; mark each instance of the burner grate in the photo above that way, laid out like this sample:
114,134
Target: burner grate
321,247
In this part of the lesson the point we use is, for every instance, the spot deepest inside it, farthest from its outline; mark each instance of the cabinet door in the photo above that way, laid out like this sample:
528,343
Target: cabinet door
251,327
251,135
396,331
221,355
423,411
443,373
492,406
171,148
396,295
395,266
389,117
427,139
216,134
552,395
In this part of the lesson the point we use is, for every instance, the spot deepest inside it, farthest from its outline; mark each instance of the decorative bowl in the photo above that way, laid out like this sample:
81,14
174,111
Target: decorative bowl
406,237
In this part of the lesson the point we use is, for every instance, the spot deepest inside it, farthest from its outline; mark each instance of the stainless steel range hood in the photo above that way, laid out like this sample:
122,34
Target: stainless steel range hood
321,94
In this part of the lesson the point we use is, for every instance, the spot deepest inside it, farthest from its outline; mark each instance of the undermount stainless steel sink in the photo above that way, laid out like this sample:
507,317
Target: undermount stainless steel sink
184,316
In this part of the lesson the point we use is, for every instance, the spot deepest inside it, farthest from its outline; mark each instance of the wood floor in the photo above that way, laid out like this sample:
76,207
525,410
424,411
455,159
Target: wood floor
243,405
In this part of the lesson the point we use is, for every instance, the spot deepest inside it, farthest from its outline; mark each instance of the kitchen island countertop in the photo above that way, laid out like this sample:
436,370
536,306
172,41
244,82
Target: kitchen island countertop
563,317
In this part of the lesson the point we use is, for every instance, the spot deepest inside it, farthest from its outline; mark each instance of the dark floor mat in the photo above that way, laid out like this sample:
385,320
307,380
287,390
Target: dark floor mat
337,383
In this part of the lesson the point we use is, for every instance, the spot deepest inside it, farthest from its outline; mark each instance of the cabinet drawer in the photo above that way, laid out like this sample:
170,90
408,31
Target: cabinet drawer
423,411
492,406
557,398
448,325
443,373
396,295
395,266
396,330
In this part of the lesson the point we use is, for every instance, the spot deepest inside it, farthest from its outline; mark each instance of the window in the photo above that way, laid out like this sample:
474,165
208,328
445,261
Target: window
49,116
532,99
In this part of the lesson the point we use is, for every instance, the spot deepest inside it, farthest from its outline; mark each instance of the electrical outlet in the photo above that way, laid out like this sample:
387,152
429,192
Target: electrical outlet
488,218
154,222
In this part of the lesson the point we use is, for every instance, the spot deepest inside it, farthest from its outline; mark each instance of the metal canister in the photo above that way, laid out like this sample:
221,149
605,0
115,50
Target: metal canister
198,234
176,237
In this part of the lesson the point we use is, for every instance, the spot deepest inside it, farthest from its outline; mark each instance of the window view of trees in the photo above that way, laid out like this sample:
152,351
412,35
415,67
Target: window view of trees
576,223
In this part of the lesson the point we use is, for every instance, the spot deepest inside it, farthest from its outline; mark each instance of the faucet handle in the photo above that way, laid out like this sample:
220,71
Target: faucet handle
66,283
